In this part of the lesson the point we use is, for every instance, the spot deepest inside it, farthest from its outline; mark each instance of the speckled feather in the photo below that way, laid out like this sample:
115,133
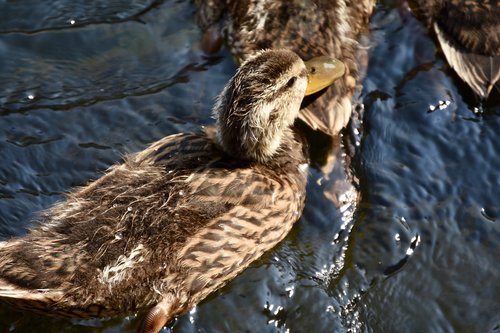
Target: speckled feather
470,25
310,28
153,225
469,34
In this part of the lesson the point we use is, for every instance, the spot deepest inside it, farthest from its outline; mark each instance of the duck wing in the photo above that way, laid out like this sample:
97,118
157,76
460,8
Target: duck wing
468,32
480,72
88,248
15,284
176,218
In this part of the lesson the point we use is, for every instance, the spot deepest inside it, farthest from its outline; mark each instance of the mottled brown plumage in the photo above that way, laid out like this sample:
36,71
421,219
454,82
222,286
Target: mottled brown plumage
177,220
469,34
310,28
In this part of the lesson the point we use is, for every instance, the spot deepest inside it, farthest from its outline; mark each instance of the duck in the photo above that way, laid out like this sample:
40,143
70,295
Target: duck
178,220
468,33
310,28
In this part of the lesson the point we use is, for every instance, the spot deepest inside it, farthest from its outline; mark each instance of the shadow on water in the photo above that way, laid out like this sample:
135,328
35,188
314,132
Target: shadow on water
419,253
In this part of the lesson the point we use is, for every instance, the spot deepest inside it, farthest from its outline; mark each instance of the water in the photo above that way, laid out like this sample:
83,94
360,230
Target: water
81,85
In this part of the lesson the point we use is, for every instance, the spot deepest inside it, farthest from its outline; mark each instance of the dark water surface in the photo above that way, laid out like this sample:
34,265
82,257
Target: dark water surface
82,84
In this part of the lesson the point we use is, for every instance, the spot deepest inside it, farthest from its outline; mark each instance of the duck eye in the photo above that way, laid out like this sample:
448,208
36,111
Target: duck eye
291,82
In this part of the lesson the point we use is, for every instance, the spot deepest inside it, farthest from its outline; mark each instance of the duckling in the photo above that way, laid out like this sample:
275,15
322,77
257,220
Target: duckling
180,219
310,28
469,35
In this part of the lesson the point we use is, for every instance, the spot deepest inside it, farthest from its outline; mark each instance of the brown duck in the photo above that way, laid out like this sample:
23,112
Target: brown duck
469,34
308,27
180,219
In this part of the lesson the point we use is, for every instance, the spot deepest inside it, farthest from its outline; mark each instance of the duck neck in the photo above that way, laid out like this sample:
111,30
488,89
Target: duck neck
251,144
245,130
292,152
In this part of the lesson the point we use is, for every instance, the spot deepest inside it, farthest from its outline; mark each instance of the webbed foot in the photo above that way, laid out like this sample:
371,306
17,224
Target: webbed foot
211,41
157,317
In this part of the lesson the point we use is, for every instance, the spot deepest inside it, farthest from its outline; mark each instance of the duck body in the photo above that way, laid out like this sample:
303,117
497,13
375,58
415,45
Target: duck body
310,28
468,32
178,220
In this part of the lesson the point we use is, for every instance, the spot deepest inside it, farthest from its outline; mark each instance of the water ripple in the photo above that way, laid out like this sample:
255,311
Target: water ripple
35,16
63,69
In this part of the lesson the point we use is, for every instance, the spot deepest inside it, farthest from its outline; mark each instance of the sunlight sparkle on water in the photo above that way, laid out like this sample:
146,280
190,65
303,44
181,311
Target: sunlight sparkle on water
191,315
441,105
413,245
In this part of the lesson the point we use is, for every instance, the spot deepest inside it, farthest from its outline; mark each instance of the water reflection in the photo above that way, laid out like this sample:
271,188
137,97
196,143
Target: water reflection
30,16
68,68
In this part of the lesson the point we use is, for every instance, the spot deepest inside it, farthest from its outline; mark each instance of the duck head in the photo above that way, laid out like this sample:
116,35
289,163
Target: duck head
261,102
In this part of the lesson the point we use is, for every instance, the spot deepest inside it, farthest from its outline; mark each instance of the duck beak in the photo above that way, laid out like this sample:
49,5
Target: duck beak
322,72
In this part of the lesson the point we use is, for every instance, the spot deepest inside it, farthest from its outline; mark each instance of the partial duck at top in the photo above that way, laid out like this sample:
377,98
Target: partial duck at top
308,27
469,34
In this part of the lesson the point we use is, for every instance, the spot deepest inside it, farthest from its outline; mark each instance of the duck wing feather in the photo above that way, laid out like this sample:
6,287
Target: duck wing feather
179,218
